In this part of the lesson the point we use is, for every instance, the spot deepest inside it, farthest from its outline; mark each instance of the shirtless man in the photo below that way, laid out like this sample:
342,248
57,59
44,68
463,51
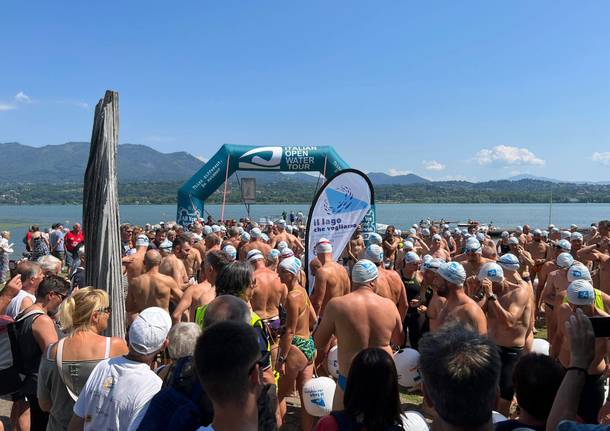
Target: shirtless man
192,261
197,295
459,307
539,252
282,235
509,309
267,296
599,253
555,290
389,284
390,246
173,265
212,243
355,246
525,258
256,243
134,264
438,250
151,289
548,267
435,302
474,259
581,296
358,320
331,278
234,238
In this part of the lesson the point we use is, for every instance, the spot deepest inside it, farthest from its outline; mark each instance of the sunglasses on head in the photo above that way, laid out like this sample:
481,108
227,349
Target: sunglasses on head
104,310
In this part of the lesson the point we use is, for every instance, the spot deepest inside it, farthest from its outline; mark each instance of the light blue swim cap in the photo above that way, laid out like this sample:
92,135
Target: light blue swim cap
509,261
453,272
364,271
374,253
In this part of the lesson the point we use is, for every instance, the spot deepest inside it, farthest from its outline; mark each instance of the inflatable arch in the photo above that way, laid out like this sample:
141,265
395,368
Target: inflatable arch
231,158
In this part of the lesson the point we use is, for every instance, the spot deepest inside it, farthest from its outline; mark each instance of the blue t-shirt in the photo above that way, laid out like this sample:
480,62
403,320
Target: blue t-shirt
56,239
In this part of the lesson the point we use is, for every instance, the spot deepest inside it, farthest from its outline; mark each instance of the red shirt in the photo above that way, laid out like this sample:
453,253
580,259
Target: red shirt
71,240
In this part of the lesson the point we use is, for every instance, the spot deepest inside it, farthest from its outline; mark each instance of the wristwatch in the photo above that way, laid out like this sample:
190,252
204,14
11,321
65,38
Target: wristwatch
492,297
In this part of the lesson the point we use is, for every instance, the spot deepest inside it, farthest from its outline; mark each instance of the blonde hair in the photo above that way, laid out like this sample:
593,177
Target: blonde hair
76,311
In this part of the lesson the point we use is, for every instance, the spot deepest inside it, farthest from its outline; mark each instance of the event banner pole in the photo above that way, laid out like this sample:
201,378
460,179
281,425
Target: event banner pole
341,204
224,195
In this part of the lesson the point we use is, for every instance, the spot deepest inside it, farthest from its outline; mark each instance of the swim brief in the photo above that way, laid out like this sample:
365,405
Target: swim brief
508,357
274,324
305,345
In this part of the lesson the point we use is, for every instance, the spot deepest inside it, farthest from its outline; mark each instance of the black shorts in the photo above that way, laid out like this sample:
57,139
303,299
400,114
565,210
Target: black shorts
592,398
509,357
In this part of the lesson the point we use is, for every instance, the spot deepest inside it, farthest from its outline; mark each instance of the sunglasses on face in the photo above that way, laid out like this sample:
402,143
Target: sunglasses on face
63,296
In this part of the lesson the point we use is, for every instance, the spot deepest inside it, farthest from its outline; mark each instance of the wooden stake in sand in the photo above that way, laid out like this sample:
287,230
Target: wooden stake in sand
101,211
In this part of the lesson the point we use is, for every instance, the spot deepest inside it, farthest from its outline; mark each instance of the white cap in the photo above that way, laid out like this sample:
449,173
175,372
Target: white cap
375,238
565,234
166,244
292,265
324,246
254,255
573,226
374,253
286,253
142,241
364,271
537,232
505,234
282,245
453,272
437,237
431,264
565,245
578,272
215,228
230,251
245,236
472,244
513,240
412,257
492,271
480,236
564,260
509,262
414,421
581,292
408,245
576,236
207,230
425,231
148,332
412,231
255,233
519,229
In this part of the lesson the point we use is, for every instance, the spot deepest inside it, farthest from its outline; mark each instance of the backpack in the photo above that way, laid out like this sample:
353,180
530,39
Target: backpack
12,374
346,423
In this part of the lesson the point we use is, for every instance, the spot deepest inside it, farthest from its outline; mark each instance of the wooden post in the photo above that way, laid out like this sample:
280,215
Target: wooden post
101,211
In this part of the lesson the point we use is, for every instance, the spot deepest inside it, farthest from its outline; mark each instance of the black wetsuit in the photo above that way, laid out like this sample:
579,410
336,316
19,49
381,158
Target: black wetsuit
411,323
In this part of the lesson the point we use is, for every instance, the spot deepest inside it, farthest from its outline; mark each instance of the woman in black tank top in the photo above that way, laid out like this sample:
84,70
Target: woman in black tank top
412,279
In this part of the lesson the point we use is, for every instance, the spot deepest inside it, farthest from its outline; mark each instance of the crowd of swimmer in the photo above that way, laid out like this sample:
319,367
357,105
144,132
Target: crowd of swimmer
385,295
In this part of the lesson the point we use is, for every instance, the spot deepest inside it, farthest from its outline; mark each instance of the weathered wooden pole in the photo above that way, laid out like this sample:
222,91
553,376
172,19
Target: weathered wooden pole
101,210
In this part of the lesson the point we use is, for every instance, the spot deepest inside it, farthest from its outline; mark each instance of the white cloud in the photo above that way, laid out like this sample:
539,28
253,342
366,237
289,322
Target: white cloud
603,158
395,172
6,107
507,155
21,97
433,165
459,178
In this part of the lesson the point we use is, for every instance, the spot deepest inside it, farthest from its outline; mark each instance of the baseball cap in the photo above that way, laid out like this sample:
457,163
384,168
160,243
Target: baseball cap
148,332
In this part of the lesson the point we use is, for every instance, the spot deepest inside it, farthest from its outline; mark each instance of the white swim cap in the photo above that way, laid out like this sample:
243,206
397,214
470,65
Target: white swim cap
437,237
412,257
374,253
513,240
565,234
289,228
425,231
492,271
564,260
264,237
332,362
245,237
375,238
573,226
318,394
541,346
255,233
215,228
207,230
364,271
554,229
196,237
545,234
509,262
407,367
581,292
565,245
499,417
282,245
472,245
286,253
407,245
324,246
505,234
412,231
537,232
240,230
480,236
576,236
453,272
230,251
519,229
578,272
273,254
291,264
398,232
223,228
431,264
254,255
142,241
166,245
413,421
551,226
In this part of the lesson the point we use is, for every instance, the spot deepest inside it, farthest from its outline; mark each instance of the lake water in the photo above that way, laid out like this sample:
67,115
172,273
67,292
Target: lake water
18,218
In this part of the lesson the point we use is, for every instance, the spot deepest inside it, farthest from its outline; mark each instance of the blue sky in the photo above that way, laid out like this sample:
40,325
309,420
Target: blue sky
472,90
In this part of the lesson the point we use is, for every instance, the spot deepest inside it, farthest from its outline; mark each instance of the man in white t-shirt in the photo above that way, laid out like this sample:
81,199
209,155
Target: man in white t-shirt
231,374
119,389
31,276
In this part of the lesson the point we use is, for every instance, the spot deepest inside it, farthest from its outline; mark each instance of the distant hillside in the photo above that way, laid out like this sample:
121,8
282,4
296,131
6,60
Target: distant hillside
379,178
533,177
